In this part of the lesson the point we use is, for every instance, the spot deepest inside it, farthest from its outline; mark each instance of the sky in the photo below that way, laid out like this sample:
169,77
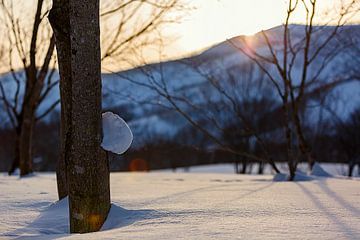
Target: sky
214,21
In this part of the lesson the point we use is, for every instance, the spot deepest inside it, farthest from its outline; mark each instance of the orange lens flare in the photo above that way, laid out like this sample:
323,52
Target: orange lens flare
95,221
138,165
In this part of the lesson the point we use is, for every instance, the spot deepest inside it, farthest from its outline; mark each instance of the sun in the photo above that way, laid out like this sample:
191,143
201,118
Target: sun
214,21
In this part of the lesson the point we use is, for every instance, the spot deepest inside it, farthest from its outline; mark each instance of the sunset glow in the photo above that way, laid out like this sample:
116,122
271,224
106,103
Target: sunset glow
214,21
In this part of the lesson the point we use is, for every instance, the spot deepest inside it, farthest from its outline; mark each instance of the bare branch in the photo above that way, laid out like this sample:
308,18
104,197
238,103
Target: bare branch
47,111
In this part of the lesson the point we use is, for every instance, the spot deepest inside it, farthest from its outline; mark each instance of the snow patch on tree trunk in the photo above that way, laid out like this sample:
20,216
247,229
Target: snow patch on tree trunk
117,136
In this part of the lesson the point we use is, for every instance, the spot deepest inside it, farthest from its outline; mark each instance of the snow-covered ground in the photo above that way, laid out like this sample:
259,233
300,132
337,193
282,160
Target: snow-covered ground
164,205
229,168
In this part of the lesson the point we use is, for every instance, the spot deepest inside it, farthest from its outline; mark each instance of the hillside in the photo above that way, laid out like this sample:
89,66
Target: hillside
139,95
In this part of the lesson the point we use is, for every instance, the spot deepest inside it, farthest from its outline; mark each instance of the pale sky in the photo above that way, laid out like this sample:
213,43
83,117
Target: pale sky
214,21
217,20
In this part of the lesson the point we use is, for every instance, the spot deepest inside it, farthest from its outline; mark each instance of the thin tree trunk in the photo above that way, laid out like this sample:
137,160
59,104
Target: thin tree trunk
34,86
303,145
87,169
25,142
351,169
16,160
273,165
290,156
236,167
244,165
261,168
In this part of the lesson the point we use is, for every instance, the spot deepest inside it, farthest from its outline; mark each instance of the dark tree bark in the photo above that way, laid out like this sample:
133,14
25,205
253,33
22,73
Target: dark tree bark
244,166
60,22
25,142
88,170
16,160
77,31
34,86
261,168
351,169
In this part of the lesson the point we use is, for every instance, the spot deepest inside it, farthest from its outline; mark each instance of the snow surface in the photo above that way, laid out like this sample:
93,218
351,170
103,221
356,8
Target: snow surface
338,169
117,134
190,206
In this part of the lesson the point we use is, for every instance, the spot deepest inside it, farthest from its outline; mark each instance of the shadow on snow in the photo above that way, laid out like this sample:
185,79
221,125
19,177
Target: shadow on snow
53,221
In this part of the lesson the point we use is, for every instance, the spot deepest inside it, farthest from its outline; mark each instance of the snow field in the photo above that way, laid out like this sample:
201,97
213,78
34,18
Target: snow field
190,206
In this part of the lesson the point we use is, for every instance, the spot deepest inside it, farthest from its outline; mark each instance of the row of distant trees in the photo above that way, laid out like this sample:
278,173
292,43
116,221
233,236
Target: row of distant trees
334,140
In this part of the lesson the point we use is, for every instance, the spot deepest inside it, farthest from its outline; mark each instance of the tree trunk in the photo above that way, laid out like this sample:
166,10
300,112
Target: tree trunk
87,169
25,142
273,165
288,137
303,145
351,169
60,22
261,168
34,86
16,160
237,167
244,165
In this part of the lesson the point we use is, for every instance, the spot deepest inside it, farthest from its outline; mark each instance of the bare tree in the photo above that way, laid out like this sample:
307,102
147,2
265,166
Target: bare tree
77,30
130,28
35,54
281,62
214,103
294,66
347,137
127,27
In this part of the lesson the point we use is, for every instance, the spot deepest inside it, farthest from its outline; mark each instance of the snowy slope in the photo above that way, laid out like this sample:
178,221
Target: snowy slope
183,81
190,206
128,90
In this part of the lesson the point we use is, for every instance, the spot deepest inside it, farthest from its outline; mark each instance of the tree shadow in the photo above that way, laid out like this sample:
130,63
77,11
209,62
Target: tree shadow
341,201
347,231
53,221
187,193
176,195
259,189
120,217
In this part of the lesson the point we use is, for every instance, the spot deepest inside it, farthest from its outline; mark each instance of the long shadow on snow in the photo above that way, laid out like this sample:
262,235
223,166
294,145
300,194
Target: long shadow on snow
184,194
343,227
337,198
53,222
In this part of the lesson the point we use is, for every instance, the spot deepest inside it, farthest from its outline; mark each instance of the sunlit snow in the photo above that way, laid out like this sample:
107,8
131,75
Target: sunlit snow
165,205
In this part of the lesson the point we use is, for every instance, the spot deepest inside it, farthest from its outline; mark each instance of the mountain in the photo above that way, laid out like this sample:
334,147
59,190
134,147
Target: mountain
188,79
139,95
